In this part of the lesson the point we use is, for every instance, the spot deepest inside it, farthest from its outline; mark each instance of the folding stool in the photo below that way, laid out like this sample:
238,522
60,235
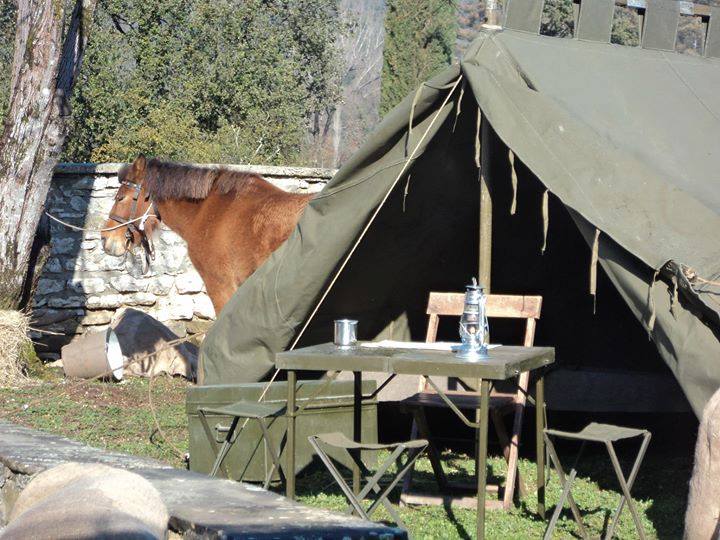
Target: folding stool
249,410
606,434
337,440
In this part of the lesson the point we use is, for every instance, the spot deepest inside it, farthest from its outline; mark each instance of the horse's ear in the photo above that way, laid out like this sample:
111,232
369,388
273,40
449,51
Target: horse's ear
140,163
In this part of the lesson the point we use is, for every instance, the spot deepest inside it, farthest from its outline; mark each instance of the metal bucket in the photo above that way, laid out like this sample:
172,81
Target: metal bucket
92,355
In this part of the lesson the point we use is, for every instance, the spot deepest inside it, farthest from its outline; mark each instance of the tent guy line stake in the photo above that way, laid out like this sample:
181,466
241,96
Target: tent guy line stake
374,215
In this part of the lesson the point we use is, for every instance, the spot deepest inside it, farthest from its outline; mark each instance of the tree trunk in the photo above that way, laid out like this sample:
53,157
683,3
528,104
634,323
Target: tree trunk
45,66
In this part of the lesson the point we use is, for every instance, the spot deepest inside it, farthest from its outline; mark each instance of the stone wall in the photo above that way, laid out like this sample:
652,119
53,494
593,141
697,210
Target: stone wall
81,287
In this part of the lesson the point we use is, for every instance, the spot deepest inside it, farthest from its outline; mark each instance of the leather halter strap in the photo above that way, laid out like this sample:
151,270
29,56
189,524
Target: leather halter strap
131,221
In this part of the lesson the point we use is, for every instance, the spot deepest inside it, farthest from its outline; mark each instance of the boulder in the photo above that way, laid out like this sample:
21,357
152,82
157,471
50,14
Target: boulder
83,501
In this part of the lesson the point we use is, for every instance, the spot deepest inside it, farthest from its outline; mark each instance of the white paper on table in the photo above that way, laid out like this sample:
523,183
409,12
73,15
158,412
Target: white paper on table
437,346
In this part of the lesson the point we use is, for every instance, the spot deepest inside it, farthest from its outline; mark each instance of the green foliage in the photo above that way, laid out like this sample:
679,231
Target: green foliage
558,21
626,27
7,41
557,18
470,17
228,80
419,40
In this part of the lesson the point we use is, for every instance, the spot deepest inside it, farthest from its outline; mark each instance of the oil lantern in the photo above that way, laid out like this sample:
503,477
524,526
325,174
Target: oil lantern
473,324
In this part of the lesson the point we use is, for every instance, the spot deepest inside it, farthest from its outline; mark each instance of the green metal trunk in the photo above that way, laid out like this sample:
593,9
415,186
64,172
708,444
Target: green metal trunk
332,411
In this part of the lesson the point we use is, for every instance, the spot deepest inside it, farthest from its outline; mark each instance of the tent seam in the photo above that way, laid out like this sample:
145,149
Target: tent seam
690,88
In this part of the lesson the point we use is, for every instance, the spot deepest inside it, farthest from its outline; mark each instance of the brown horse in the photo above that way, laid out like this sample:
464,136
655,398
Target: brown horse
231,221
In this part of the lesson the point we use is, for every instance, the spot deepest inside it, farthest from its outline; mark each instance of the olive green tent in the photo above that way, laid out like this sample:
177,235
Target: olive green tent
606,154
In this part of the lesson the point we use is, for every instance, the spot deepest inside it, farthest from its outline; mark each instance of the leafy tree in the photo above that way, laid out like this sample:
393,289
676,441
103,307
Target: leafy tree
470,17
626,27
690,35
419,40
230,80
557,18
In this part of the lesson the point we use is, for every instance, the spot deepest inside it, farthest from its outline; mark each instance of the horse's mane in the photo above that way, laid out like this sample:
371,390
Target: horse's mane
170,180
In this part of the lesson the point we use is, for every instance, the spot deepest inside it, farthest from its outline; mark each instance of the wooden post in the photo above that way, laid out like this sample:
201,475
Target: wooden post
485,251
484,268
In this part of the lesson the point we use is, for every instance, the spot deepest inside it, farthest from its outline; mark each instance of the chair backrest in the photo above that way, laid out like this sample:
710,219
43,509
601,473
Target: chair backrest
500,306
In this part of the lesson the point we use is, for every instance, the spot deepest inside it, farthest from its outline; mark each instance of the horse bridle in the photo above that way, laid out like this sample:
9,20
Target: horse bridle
135,225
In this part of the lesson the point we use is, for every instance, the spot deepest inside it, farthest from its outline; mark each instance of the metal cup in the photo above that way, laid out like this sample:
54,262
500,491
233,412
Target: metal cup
345,333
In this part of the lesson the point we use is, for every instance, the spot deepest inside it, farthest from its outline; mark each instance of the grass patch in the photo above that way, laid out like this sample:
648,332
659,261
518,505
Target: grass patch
117,417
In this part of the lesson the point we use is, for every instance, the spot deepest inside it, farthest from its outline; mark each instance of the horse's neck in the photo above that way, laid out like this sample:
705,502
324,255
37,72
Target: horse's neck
178,215
285,208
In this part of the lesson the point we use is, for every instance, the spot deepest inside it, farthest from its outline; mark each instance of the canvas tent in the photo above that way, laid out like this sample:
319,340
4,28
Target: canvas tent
615,155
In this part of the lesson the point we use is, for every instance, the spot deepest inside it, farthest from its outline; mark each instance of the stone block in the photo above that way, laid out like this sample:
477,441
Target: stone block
93,318
171,262
100,205
88,244
91,285
46,316
196,326
50,285
100,183
79,204
126,283
140,299
189,282
203,307
81,183
63,245
63,301
175,308
53,265
107,301
161,284
106,262
68,327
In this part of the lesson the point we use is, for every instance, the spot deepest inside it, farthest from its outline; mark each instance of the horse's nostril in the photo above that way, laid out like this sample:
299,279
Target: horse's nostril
102,241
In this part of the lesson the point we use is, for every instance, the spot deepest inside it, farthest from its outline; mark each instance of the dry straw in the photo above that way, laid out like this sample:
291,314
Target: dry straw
14,345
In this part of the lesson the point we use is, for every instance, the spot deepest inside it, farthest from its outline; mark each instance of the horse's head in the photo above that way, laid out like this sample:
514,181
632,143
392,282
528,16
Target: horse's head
133,217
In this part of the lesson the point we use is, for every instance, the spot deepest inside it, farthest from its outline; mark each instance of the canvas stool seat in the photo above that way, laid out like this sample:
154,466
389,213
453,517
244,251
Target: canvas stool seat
412,449
247,410
606,434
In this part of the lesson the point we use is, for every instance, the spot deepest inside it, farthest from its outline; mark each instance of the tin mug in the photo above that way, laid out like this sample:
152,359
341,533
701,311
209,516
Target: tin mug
345,333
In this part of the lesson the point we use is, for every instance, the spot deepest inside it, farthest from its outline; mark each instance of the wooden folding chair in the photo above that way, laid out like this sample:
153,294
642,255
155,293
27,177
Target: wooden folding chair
501,404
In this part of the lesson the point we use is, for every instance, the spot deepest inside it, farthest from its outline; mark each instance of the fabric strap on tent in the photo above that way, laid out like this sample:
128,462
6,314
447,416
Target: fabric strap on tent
593,266
661,23
650,324
524,15
595,20
478,123
712,43
545,218
459,105
513,179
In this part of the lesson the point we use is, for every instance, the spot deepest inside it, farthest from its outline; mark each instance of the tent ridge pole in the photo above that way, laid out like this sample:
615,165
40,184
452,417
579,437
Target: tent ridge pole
485,240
